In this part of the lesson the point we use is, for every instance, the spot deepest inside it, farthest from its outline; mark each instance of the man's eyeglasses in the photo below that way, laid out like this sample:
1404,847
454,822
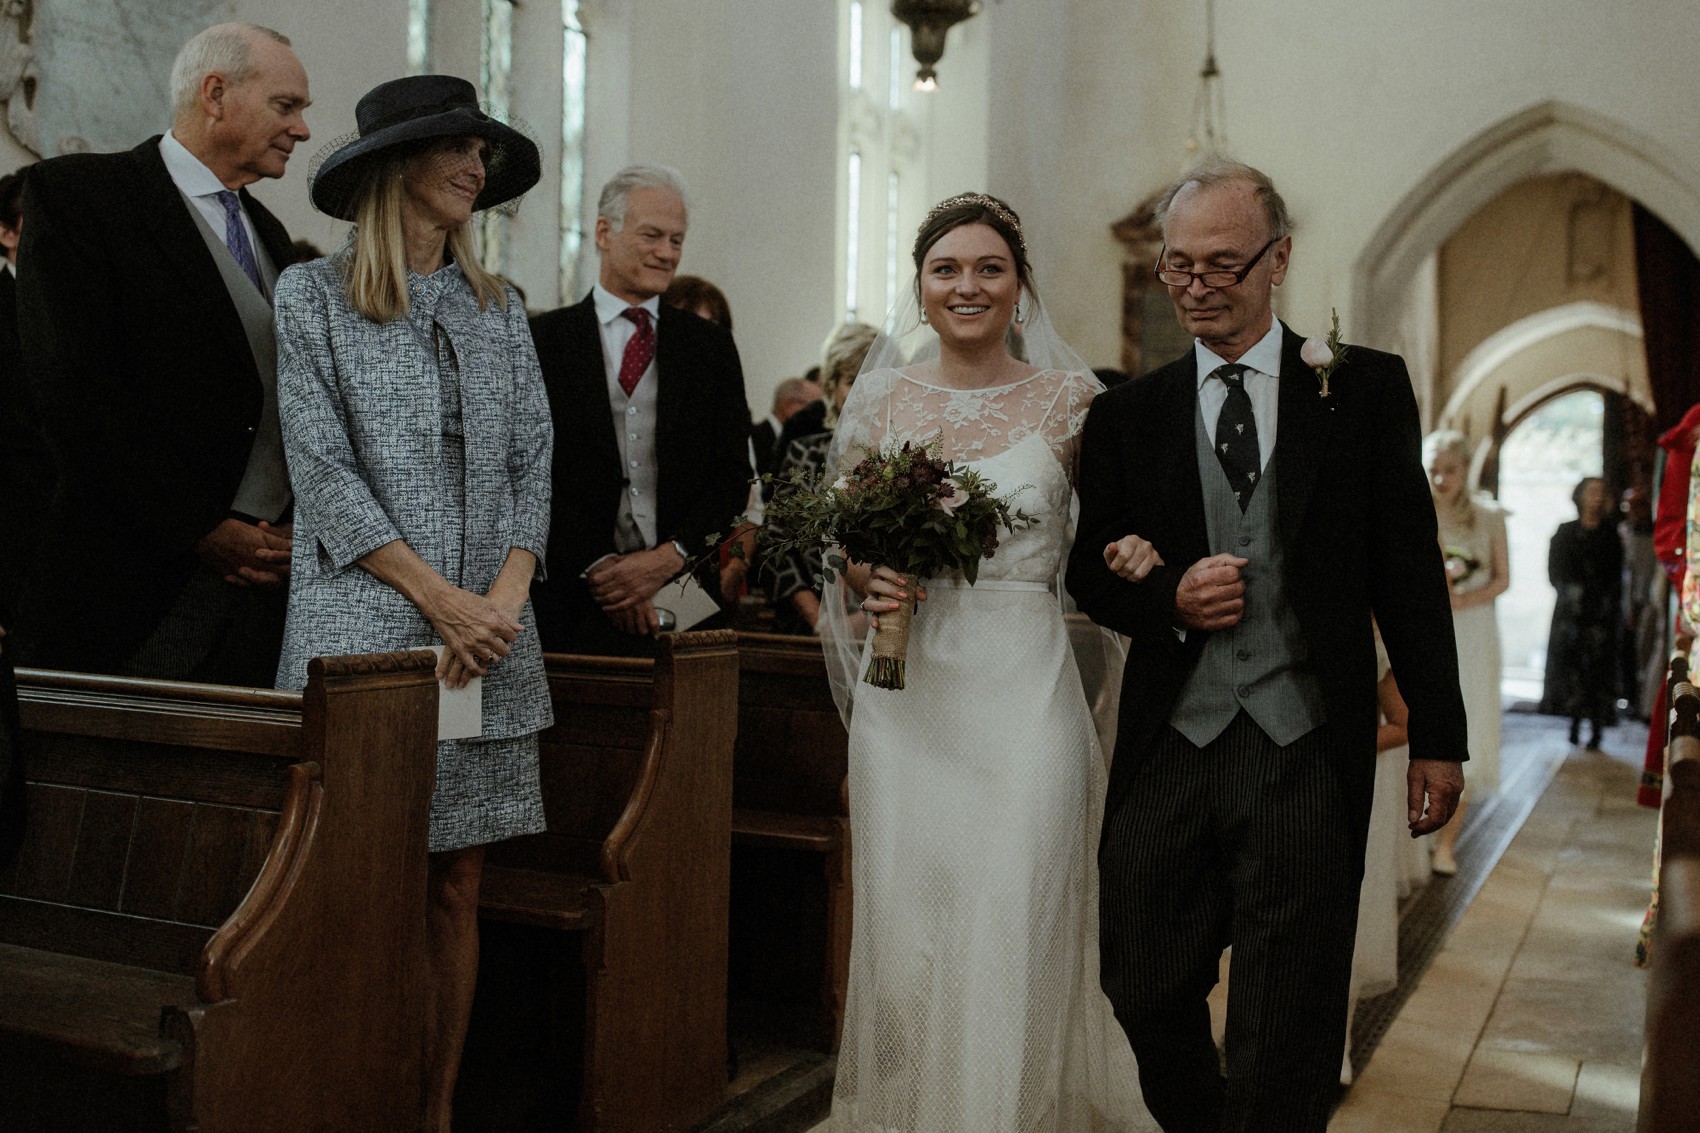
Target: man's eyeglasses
1217,277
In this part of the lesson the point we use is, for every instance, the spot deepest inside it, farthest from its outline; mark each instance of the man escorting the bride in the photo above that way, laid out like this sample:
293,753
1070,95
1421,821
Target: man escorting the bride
1286,501
975,791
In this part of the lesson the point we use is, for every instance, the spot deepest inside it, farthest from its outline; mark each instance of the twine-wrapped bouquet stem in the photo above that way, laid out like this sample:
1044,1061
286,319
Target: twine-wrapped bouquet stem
890,663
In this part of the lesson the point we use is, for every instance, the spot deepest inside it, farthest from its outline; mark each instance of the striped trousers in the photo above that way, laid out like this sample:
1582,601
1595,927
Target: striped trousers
1248,843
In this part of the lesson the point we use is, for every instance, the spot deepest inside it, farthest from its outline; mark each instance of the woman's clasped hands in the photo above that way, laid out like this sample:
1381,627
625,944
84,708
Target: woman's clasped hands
476,630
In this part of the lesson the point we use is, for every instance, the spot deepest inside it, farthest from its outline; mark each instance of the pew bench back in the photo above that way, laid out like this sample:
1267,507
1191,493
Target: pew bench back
219,900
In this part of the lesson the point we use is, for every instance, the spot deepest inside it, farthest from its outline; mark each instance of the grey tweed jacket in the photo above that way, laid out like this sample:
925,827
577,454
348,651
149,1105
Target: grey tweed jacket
362,428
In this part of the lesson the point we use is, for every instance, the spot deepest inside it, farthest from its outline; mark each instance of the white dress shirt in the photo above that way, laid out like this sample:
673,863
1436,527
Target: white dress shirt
634,420
1262,385
202,186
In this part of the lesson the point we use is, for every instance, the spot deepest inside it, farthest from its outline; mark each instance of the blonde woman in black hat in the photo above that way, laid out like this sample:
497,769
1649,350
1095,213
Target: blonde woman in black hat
418,436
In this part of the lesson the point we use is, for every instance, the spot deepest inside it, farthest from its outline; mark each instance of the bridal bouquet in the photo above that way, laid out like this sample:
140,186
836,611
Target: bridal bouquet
1460,564
902,506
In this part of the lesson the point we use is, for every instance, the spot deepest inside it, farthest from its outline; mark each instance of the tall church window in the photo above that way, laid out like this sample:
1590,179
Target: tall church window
418,36
495,78
882,159
574,53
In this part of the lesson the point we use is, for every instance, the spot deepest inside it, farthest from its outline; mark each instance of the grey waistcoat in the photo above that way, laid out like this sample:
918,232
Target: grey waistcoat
1254,665
264,491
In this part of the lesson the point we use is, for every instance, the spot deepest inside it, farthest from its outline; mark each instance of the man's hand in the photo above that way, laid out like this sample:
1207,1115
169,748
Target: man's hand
640,620
624,582
247,554
1432,790
1131,557
1211,594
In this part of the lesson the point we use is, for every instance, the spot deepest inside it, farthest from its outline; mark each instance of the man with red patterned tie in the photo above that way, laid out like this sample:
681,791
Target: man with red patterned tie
651,449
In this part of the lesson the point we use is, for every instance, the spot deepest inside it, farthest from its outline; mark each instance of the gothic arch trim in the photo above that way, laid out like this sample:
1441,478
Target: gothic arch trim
1548,137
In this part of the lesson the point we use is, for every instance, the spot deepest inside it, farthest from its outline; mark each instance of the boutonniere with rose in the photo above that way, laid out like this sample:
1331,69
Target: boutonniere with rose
1323,354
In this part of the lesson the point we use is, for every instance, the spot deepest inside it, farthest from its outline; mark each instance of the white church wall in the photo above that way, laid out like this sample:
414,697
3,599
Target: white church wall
1076,110
1349,107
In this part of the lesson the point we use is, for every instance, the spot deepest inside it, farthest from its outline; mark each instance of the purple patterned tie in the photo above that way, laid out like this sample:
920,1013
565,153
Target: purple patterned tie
236,237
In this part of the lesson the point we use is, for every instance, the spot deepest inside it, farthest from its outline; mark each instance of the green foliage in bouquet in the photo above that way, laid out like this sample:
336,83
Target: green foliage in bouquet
901,506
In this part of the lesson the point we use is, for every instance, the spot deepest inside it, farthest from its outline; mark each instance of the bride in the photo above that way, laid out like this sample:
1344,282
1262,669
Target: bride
976,792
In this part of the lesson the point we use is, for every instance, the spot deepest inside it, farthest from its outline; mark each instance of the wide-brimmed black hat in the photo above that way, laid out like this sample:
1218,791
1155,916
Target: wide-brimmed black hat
415,109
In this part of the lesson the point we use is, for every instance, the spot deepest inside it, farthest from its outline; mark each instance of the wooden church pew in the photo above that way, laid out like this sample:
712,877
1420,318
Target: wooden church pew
216,922
790,794
632,876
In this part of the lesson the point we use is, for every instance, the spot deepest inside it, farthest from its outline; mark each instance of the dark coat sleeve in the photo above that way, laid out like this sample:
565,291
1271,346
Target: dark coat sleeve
1109,510
1408,588
709,489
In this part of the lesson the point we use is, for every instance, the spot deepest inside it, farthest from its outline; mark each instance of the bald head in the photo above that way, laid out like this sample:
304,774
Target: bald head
1224,226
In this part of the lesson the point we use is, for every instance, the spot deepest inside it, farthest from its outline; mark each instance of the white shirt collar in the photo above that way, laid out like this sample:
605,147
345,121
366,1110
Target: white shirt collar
6,266
188,172
1265,357
610,306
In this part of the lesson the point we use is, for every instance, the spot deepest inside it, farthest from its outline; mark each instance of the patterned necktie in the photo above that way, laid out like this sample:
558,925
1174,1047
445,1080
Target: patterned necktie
1236,436
640,349
236,238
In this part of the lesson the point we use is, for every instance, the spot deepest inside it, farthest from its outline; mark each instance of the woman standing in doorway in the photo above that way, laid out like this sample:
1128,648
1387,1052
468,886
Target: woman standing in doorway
1478,567
1585,563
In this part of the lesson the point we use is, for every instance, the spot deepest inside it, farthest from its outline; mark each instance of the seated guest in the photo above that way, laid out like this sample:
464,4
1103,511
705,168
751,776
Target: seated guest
805,422
792,587
146,321
652,431
701,298
790,397
418,436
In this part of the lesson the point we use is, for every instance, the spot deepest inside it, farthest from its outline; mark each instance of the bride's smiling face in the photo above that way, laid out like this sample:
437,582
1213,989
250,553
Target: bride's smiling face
969,285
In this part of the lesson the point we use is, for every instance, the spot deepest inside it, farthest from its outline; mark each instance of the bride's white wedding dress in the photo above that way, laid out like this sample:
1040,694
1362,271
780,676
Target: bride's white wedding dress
976,795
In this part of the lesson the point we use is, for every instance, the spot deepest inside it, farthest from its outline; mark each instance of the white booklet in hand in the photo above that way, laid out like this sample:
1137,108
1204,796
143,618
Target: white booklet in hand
460,711
683,603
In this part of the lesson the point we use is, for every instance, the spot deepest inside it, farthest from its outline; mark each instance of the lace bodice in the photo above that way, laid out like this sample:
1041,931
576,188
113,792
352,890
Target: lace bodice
1021,436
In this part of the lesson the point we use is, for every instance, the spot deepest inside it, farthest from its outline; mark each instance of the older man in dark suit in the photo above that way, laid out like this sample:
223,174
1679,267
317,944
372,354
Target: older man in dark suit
651,430
1283,511
145,316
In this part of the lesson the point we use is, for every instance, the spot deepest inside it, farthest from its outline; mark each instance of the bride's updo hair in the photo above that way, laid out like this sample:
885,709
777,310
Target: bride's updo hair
974,208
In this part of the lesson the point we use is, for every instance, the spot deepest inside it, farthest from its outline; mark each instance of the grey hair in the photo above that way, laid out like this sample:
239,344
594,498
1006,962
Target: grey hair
225,48
612,204
1220,171
788,389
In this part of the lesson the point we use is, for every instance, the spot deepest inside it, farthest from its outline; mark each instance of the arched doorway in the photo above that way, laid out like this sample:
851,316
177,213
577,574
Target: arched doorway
1548,137
1540,462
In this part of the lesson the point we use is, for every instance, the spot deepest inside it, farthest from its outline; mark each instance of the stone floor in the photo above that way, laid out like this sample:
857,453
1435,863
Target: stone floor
1528,1018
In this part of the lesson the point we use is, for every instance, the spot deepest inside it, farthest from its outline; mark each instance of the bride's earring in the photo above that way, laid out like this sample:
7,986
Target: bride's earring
923,316
1018,314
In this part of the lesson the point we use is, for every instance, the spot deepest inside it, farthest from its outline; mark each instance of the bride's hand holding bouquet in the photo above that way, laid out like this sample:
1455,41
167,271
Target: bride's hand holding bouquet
905,513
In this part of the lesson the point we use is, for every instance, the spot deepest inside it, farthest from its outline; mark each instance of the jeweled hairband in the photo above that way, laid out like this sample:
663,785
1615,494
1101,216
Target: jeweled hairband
992,204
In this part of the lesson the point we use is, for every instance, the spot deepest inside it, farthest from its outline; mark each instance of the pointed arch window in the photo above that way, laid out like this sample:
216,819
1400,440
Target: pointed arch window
882,160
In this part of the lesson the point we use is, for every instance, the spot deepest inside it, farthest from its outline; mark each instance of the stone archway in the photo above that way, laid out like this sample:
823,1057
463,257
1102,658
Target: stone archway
1548,137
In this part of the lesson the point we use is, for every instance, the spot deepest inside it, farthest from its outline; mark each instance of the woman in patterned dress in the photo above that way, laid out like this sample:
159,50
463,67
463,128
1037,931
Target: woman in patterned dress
419,439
